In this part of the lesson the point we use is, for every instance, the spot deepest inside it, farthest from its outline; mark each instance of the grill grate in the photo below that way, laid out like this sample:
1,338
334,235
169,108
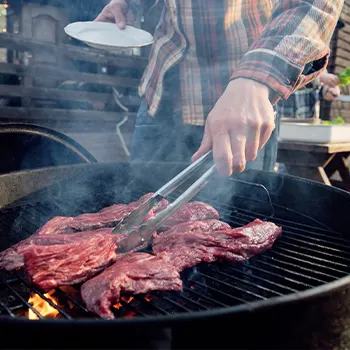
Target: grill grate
306,256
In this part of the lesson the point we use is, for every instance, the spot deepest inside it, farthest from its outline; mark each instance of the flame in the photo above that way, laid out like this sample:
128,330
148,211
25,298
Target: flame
148,298
42,306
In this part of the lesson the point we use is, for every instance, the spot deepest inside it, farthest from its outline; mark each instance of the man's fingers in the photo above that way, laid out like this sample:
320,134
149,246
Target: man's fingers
222,153
102,17
205,146
238,149
335,81
118,12
253,142
265,133
113,12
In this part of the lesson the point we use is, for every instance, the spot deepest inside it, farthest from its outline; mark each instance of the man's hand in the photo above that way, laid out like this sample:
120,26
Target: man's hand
329,79
238,126
330,93
117,11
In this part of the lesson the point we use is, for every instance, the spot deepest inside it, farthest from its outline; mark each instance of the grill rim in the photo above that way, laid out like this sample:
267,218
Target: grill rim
254,306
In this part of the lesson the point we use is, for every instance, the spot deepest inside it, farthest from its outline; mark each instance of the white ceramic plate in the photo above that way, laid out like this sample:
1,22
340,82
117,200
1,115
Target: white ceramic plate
107,36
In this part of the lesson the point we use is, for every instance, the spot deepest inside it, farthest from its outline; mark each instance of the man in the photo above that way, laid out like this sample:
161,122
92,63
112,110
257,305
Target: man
302,104
225,64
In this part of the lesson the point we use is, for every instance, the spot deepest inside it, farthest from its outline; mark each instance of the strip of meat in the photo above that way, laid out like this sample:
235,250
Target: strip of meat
202,226
107,217
110,216
188,249
12,258
193,211
135,273
55,260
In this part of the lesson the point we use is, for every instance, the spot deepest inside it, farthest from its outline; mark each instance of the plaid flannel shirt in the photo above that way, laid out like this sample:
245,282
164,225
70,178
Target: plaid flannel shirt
281,43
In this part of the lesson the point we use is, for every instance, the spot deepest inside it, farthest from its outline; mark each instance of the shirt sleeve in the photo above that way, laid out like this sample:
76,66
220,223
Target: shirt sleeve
294,47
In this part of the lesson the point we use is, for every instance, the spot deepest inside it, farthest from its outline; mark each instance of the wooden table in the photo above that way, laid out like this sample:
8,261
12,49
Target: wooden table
316,161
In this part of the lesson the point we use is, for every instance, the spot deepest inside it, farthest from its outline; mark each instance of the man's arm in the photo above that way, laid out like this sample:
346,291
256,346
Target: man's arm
294,47
292,51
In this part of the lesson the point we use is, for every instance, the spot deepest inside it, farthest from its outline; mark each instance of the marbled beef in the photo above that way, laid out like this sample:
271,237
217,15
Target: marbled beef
56,260
202,226
193,211
188,249
134,273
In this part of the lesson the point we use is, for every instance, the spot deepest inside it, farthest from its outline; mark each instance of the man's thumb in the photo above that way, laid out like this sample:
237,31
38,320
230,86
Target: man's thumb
205,146
117,11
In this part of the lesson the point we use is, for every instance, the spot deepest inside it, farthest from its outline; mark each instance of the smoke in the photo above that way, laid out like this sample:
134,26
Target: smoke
163,138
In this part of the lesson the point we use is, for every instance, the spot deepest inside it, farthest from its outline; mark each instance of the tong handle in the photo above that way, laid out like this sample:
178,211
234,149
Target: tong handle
180,178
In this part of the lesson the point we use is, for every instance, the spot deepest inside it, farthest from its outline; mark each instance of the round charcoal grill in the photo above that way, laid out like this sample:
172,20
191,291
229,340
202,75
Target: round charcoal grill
296,295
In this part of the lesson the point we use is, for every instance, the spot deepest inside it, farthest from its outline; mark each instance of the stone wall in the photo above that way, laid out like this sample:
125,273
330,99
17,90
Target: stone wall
342,60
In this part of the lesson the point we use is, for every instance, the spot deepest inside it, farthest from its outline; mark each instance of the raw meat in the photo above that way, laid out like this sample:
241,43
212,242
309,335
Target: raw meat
199,226
56,260
107,217
135,273
192,211
10,259
188,249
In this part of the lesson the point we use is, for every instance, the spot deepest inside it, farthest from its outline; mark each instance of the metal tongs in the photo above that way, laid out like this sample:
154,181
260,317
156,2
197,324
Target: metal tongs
140,234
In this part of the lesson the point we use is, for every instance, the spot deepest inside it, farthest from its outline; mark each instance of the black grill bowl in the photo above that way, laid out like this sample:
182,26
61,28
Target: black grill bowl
295,296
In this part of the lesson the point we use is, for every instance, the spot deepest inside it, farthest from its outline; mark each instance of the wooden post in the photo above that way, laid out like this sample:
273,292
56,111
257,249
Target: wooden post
44,23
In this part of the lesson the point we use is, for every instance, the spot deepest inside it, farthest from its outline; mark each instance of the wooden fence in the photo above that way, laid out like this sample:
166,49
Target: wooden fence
81,112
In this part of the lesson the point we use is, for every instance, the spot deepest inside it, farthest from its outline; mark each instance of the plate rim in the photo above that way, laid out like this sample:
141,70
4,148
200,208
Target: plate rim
91,43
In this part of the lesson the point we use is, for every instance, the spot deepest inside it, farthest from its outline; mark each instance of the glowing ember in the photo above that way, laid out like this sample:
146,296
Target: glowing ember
117,306
148,298
42,306
127,299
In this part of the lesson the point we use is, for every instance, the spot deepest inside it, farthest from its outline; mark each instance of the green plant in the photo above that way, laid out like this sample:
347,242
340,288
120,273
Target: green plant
344,77
336,121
